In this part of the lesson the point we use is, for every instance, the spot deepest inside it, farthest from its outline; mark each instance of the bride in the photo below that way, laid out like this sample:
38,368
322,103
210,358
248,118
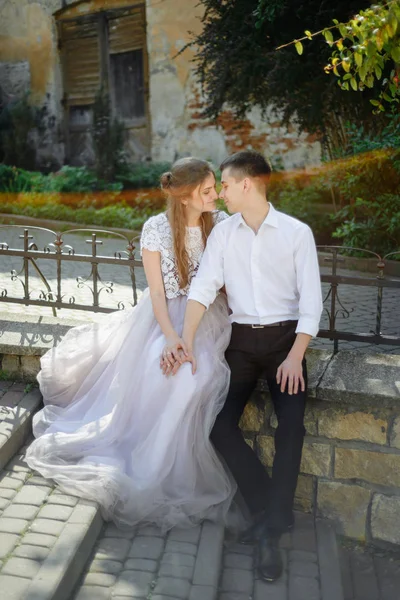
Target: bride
113,428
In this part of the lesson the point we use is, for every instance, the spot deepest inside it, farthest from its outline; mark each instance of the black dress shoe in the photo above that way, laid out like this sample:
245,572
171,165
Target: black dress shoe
270,564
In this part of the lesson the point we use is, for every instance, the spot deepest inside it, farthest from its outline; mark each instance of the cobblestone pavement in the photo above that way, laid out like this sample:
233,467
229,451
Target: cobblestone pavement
358,315
369,574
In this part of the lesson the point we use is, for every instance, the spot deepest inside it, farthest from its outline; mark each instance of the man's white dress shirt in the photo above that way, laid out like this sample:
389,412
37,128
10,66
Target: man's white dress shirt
269,277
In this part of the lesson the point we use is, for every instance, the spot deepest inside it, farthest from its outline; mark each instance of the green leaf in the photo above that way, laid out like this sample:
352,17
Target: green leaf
346,64
353,84
396,53
343,30
358,58
378,72
299,47
308,34
328,35
375,102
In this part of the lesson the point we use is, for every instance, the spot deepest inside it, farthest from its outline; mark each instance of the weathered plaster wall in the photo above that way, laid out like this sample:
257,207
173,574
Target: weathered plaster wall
29,60
176,102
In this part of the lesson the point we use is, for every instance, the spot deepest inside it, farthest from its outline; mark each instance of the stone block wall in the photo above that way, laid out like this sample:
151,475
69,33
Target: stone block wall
350,469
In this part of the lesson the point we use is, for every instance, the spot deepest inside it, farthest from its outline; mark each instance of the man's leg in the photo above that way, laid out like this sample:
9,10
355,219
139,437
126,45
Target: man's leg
249,473
289,437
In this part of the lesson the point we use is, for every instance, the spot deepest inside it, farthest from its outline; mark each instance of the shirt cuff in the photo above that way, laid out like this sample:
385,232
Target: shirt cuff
308,325
201,297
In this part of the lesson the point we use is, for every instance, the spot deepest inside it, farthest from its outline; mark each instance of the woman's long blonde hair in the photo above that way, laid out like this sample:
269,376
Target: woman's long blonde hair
179,183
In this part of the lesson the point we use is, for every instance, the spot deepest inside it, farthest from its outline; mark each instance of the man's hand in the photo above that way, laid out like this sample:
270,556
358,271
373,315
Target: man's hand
190,358
173,352
290,372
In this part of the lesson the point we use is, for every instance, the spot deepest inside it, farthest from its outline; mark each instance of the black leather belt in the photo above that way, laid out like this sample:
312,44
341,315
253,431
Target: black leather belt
278,324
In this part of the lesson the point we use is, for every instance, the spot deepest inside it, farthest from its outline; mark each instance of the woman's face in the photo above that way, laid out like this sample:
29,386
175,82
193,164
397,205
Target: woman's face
204,197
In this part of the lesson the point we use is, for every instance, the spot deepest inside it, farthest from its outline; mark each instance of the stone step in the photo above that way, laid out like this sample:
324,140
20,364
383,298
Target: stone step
184,564
46,537
18,404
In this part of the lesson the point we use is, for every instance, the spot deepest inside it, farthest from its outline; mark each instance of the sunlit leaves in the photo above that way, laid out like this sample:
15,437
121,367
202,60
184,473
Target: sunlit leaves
364,49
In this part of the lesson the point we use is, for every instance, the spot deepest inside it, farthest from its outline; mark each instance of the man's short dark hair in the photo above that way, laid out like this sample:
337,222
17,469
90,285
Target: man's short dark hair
247,163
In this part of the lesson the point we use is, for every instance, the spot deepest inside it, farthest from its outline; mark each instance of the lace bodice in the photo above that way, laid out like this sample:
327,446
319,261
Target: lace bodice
157,237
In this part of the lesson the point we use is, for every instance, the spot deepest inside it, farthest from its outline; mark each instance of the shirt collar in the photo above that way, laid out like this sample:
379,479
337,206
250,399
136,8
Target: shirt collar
271,219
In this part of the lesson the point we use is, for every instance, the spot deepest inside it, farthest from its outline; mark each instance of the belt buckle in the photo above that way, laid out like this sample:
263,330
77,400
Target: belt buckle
257,326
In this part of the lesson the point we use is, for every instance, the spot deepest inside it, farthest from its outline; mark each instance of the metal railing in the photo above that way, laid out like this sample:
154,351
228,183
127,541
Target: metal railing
60,253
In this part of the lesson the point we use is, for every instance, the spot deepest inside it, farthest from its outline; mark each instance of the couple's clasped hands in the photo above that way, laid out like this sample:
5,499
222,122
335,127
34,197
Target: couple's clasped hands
175,353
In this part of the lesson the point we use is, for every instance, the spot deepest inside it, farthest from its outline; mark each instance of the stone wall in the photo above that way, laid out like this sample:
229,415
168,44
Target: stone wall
350,469
29,59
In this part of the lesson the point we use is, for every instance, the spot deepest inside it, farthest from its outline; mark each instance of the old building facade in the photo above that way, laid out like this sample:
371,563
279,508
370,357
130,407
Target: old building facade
65,51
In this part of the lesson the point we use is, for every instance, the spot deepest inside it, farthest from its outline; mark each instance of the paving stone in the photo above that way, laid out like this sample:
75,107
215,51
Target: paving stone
303,588
20,476
21,511
92,592
150,530
388,572
9,483
179,572
237,548
203,592
268,591
238,561
237,596
37,480
13,525
190,536
184,560
62,499
304,539
303,555
305,569
364,577
15,586
181,547
17,465
113,549
146,547
38,553
112,530
102,565
81,514
170,586
56,513
7,493
31,495
47,526
4,502
237,580
39,539
133,584
7,543
141,564
21,567
100,579
286,541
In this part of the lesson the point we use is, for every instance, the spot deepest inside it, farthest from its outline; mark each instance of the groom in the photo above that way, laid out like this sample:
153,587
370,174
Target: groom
268,263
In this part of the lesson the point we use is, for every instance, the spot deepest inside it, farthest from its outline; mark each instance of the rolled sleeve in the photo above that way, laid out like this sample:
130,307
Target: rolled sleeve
210,276
308,284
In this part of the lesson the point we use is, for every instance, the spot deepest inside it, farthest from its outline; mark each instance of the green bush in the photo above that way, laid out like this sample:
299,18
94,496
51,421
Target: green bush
142,175
372,225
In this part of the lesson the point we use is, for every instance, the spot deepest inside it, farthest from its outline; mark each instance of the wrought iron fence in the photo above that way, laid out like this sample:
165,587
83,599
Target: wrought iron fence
61,253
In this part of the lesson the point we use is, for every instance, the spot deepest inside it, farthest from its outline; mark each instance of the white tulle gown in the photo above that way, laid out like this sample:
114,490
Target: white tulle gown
115,430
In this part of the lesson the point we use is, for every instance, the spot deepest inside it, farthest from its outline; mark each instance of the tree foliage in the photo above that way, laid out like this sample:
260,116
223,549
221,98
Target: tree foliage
366,51
237,63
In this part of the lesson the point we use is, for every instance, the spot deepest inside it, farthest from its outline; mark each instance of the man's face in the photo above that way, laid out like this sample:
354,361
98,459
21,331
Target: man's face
232,191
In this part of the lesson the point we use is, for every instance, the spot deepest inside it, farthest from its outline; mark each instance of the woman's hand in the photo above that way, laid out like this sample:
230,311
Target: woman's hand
174,351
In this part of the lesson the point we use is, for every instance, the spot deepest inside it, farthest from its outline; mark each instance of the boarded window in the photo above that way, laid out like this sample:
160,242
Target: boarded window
128,84
106,50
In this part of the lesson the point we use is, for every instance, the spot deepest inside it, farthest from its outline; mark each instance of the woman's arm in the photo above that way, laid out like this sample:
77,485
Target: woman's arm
152,268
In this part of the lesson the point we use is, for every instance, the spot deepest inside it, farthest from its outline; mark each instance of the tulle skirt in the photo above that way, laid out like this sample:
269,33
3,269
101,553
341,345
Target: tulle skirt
115,430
